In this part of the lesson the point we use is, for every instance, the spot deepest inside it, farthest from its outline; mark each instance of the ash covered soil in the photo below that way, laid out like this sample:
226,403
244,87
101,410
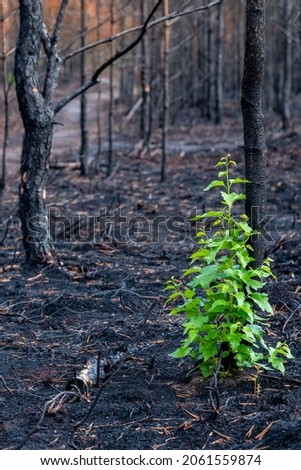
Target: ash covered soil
106,293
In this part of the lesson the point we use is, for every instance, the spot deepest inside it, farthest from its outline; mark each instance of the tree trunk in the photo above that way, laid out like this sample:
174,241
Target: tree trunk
210,70
99,102
83,99
37,118
166,97
5,90
218,80
111,93
288,64
253,123
145,130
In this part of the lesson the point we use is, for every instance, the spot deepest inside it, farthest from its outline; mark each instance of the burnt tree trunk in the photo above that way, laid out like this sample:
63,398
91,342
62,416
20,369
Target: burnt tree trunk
84,148
37,111
218,80
166,93
37,117
288,65
5,90
145,130
111,94
253,124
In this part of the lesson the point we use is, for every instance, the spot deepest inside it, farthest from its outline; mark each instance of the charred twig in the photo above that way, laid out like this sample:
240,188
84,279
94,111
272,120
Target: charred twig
49,407
291,315
5,385
123,304
8,223
213,388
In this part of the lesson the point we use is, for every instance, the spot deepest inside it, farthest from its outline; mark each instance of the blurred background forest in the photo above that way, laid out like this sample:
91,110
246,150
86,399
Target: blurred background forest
197,59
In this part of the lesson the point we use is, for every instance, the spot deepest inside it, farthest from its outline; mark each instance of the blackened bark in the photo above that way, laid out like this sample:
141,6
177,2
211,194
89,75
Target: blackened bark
5,90
253,123
288,65
166,92
37,119
83,99
145,130
111,94
218,81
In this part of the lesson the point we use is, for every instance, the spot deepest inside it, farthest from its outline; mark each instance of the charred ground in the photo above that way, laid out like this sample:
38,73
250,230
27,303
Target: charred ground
107,292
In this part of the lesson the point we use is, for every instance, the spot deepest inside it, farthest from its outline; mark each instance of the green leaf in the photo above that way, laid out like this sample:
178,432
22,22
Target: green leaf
250,282
234,340
208,351
244,258
245,227
195,269
214,184
10,79
182,351
232,197
262,300
217,306
196,322
189,294
238,180
201,253
173,296
203,280
213,214
240,297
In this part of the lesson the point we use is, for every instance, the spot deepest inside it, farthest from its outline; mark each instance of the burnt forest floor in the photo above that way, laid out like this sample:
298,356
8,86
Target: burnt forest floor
106,292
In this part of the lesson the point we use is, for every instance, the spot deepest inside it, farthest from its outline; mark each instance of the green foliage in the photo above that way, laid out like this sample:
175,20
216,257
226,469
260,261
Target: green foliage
221,294
10,79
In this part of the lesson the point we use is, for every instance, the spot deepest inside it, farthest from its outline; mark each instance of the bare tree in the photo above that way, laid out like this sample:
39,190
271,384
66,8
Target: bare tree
84,148
7,81
218,81
166,97
145,122
38,111
253,123
111,93
288,64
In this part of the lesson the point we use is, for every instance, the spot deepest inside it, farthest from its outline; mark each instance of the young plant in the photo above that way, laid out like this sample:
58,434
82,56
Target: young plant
223,303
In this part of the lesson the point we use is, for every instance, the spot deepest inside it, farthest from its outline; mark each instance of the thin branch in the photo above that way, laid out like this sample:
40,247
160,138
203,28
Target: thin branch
151,24
8,53
74,95
59,21
147,25
94,80
49,403
95,28
129,47
54,61
45,39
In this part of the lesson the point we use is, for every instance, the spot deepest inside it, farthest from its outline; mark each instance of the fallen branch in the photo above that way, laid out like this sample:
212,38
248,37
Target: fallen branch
96,369
65,166
50,407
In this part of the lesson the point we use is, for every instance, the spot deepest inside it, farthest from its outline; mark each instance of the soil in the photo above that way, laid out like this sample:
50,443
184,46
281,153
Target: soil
106,293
